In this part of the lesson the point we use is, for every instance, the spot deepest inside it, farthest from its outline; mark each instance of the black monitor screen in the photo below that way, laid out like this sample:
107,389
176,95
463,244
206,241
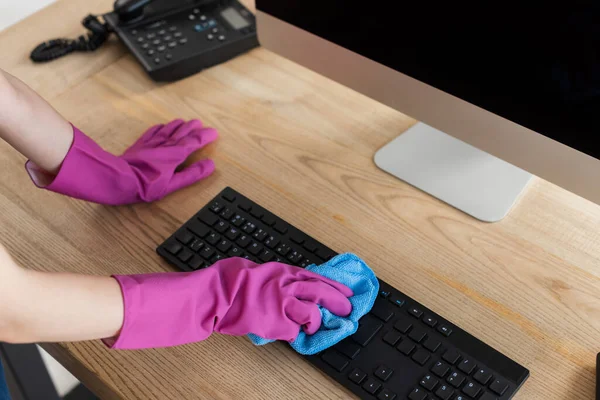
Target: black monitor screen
534,63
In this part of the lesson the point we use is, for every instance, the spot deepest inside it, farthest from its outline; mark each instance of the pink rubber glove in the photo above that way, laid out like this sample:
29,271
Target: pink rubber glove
234,296
145,172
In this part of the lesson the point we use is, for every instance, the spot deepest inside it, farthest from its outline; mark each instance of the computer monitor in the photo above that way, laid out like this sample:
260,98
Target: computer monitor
502,89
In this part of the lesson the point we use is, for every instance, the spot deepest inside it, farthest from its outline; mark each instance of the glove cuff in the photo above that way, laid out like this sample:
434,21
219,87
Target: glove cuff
90,173
165,309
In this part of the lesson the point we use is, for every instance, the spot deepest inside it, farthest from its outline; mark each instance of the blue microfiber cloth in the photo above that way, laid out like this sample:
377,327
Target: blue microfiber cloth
350,270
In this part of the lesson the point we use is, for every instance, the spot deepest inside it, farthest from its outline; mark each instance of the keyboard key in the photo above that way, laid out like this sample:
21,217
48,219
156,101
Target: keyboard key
417,394
297,237
184,236
238,220
421,356
272,242
462,397
488,396
224,245
216,258
348,348
235,252
280,227
432,345
213,238
196,245
392,338
357,376
283,249
184,255
324,254
295,257
230,197
260,235
406,347
384,293
310,245
255,248
444,330
198,228
221,226
207,252
244,241
257,212
196,263
482,376
369,327
208,218
440,369
245,205
417,334
232,233
429,382
371,386
335,359
396,300
429,321
173,247
266,256
455,379
444,392
268,219
386,394
383,372
451,356
227,214
403,326
381,311
305,263
249,227
415,312
471,389
499,386
467,366
216,207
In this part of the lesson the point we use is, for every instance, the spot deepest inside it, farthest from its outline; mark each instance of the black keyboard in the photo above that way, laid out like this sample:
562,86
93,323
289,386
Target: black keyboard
402,350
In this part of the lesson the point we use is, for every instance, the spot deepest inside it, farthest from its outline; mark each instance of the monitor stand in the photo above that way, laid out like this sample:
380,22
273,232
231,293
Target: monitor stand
455,172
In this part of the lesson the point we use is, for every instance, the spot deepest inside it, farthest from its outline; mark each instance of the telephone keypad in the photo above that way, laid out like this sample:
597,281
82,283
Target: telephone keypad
181,36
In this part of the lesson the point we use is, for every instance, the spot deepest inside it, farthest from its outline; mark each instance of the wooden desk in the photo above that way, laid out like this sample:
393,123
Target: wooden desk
302,146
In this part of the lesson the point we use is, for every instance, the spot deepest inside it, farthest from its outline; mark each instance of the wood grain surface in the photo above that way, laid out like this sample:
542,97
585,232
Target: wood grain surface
302,146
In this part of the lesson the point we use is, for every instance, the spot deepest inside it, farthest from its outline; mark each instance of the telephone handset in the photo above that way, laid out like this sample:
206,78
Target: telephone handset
171,39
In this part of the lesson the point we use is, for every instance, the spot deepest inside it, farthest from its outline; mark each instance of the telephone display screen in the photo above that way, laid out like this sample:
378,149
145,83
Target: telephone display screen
234,18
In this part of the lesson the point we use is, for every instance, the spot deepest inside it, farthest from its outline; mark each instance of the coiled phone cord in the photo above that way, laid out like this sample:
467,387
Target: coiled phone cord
57,48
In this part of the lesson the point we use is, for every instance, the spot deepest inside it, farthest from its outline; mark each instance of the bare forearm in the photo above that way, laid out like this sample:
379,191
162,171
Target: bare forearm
69,307
30,125
53,307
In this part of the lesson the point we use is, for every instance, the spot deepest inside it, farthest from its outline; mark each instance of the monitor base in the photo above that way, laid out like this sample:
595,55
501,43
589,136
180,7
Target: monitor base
453,171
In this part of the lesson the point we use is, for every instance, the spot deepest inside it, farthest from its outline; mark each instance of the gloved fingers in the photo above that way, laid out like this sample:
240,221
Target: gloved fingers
191,175
185,129
319,292
305,314
161,135
309,275
196,139
149,134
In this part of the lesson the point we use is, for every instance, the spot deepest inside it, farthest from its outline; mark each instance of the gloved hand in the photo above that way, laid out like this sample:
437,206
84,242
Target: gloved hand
234,296
144,173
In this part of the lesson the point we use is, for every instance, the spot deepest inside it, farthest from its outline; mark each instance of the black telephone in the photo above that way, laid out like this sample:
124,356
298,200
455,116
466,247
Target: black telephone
171,39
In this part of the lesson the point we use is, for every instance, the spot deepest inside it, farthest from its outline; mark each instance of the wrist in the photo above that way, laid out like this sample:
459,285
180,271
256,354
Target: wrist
30,125
154,305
